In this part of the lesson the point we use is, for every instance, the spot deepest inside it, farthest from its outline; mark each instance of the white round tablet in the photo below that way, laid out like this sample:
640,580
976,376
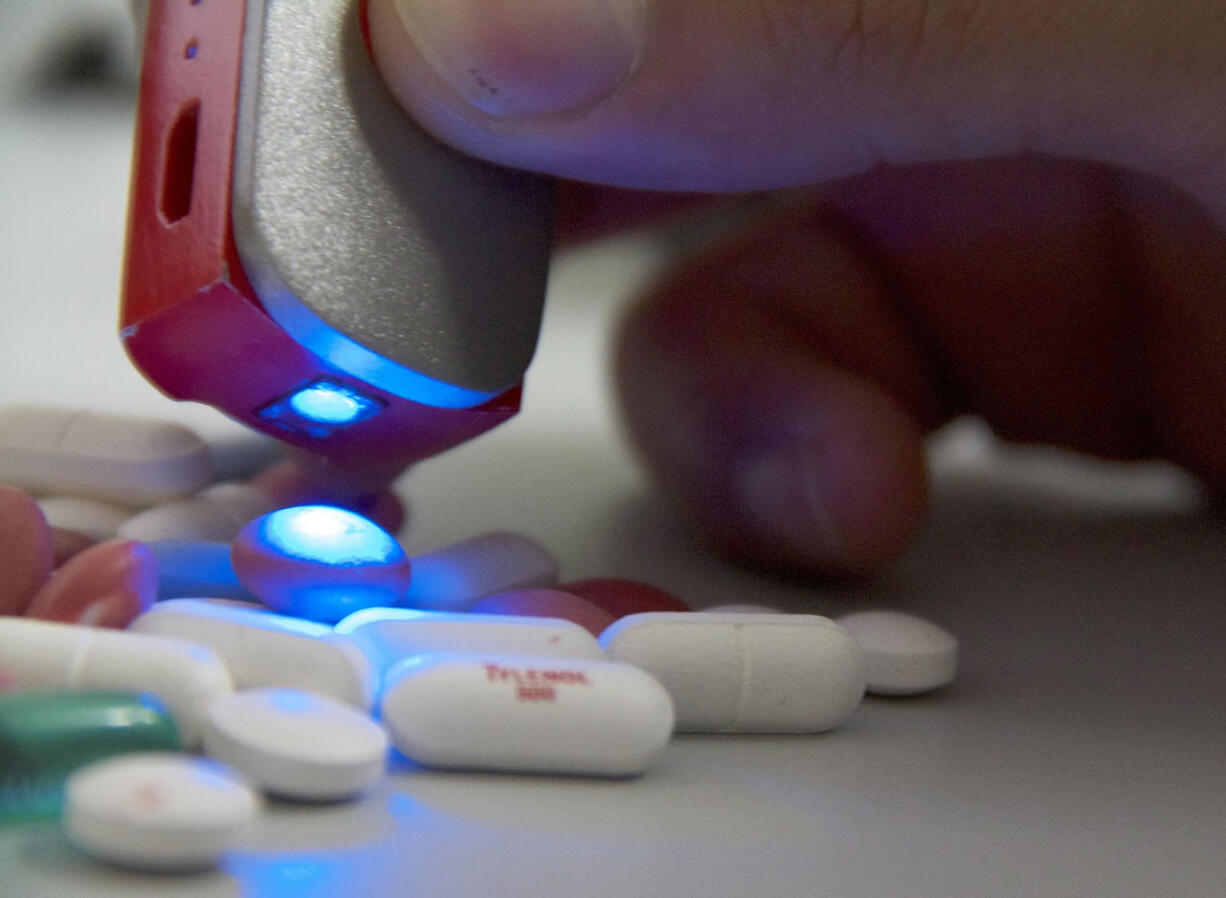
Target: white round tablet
297,744
905,654
157,811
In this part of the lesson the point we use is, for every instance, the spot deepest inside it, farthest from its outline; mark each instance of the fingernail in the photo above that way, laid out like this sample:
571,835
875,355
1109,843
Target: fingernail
522,58
780,496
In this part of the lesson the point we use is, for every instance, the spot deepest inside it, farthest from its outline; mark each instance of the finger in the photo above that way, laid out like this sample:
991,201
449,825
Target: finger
791,435
728,95
1066,303
780,385
586,212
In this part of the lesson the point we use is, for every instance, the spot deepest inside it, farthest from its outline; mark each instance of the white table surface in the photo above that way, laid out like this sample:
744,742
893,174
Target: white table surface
1080,753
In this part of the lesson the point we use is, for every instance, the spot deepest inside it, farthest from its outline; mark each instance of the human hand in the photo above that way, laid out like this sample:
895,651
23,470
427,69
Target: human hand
1012,209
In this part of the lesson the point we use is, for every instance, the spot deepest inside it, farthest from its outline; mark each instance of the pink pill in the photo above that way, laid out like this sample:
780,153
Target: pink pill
106,585
67,543
289,482
319,562
621,597
546,603
25,550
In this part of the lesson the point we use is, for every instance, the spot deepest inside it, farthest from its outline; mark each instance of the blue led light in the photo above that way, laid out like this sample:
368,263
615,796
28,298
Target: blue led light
320,408
329,535
327,404
343,353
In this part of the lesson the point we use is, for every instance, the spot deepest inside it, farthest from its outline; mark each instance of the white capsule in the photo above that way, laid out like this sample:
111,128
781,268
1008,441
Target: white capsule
454,577
98,520
212,515
118,458
387,635
261,648
297,744
740,609
745,673
904,654
190,568
519,713
184,675
159,812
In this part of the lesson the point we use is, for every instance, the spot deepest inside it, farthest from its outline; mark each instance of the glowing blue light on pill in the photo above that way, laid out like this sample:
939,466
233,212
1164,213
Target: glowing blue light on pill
329,535
327,404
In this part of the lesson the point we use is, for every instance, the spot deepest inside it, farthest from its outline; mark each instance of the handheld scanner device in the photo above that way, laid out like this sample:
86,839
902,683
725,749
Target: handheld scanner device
306,259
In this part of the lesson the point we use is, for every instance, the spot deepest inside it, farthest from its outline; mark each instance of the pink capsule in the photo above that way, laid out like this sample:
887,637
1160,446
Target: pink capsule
319,562
621,597
106,585
25,550
546,603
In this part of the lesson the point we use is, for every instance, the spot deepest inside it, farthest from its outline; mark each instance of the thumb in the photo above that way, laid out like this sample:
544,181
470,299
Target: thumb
735,95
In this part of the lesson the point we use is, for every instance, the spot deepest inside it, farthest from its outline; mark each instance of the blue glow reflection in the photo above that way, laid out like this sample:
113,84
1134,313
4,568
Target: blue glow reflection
329,535
327,404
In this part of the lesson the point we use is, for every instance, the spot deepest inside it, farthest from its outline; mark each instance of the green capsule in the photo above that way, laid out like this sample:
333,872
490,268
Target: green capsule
44,736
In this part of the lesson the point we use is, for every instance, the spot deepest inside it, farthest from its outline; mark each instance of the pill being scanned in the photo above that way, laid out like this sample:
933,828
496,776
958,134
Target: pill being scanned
620,597
745,673
541,602
191,568
454,577
388,635
124,459
519,713
157,811
90,517
319,562
184,675
261,648
296,744
904,654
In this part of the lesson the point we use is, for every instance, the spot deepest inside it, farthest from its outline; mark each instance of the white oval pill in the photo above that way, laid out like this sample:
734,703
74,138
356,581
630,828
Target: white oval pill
154,811
242,501
98,520
261,648
185,519
454,577
516,712
296,744
745,673
387,635
185,675
120,458
904,654
215,514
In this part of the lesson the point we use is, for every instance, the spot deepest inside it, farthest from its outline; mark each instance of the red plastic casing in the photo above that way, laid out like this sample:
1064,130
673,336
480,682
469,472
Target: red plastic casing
189,319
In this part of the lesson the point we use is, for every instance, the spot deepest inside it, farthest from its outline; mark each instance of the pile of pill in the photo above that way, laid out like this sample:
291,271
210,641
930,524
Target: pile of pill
172,648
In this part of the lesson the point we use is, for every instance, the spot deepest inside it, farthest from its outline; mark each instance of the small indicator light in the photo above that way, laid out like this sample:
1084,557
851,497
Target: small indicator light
326,404
320,408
